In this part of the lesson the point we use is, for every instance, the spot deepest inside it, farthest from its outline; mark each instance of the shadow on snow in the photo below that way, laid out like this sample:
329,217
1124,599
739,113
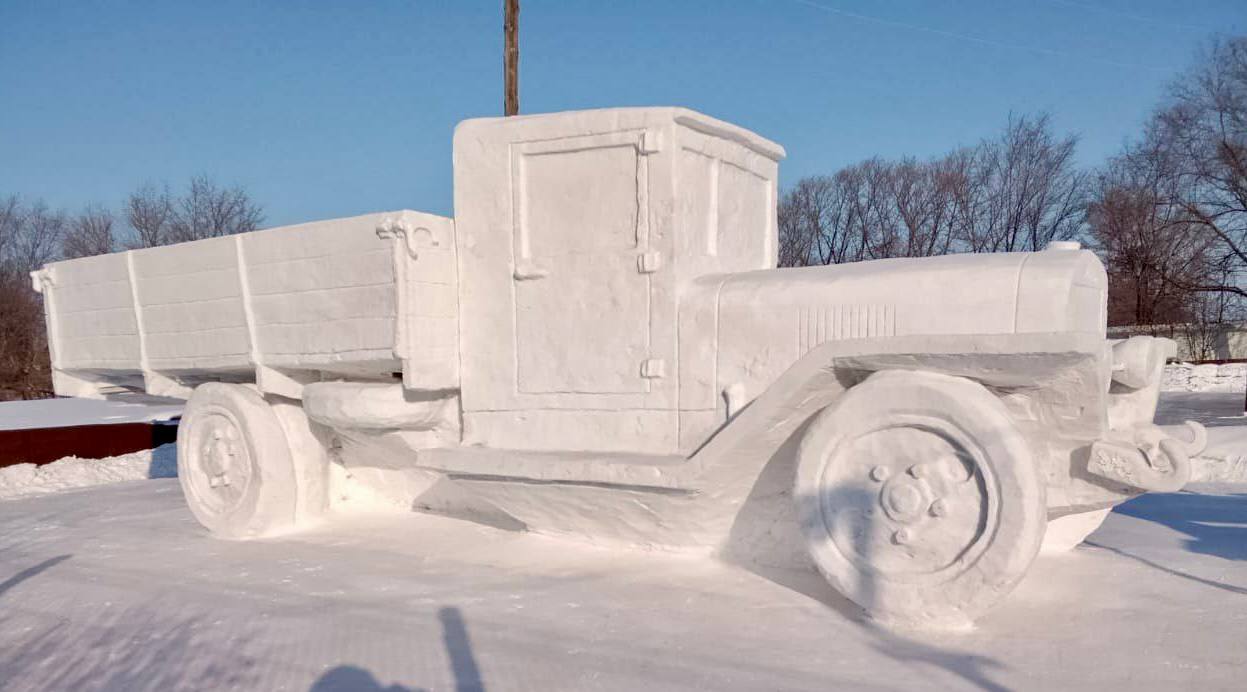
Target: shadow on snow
31,572
467,675
1214,524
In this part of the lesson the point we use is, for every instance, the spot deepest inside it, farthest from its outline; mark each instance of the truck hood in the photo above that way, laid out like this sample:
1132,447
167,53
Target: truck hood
766,320
1004,293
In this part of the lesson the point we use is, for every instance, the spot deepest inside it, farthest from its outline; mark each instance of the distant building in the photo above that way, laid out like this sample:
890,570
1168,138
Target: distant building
1196,342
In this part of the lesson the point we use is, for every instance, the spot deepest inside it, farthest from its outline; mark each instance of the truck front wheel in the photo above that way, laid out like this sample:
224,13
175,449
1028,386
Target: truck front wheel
919,498
234,462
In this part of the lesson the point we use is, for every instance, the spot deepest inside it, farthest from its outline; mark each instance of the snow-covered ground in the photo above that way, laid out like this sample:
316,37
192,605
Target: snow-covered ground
1225,458
117,588
1213,409
64,412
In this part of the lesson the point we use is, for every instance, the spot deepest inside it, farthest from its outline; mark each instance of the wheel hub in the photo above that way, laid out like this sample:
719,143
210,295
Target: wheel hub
904,501
220,466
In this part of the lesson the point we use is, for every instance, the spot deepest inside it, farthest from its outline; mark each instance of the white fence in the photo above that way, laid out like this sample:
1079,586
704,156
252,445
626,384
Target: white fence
1186,377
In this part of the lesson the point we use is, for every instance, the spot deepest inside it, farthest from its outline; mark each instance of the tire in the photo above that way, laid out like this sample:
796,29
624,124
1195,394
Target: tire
919,498
234,463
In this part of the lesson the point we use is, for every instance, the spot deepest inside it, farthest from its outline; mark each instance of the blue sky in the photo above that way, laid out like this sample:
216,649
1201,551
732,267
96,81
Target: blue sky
331,109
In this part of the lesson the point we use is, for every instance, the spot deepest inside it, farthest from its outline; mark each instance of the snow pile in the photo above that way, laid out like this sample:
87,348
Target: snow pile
1185,377
22,480
1225,458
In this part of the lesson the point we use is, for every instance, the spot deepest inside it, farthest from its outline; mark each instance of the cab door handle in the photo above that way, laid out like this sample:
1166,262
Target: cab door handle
527,271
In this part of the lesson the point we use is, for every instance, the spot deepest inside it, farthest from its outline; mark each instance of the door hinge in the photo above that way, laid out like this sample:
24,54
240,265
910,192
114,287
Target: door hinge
651,142
653,368
649,262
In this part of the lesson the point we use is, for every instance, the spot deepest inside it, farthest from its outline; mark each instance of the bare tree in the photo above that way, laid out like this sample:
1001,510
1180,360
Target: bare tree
871,221
10,217
869,210
1203,127
38,237
799,224
1017,191
89,233
29,237
1025,191
148,211
813,223
1169,213
32,234
208,210
925,206
25,371
1149,249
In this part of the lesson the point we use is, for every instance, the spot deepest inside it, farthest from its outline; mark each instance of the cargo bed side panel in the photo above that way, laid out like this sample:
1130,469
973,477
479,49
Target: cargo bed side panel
191,309
322,295
286,306
93,336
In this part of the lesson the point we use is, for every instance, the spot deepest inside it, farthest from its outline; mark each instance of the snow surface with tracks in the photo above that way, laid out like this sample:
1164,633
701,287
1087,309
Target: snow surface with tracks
1225,458
118,588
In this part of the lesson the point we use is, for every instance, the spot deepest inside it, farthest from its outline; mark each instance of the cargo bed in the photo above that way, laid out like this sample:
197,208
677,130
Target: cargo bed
278,307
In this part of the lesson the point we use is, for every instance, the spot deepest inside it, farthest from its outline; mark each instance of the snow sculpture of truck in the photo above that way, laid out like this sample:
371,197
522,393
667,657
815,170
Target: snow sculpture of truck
599,344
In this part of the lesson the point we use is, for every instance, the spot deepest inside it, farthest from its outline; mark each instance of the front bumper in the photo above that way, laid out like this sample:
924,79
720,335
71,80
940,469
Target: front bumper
1136,453
1153,461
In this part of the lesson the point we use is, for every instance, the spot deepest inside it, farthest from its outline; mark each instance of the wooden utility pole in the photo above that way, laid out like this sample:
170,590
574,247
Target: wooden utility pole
511,56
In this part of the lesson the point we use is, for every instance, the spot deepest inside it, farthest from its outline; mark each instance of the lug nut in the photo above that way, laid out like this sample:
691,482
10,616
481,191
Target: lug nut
902,537
939,508
880,473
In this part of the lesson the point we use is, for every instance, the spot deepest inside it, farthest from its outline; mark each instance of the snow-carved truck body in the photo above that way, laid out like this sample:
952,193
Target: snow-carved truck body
599,345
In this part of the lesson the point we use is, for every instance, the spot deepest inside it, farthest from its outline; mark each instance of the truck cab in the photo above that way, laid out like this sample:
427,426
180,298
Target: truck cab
581,237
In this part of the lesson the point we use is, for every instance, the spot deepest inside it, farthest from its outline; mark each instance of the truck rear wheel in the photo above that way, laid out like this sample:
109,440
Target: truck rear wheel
919,498
234,462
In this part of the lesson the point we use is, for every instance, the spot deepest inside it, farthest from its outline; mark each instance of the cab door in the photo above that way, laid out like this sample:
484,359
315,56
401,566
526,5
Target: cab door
582,266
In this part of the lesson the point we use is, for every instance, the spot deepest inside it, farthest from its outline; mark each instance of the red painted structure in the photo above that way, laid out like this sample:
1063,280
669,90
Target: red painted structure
44,445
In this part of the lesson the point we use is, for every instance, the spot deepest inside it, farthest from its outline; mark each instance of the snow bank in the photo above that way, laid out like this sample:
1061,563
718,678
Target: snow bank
1185,377
23,480
1225,459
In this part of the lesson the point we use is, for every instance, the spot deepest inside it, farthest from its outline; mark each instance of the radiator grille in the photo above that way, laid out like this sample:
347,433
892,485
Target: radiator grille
816,325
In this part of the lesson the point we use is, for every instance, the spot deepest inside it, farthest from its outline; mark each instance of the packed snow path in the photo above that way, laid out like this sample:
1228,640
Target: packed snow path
117,588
